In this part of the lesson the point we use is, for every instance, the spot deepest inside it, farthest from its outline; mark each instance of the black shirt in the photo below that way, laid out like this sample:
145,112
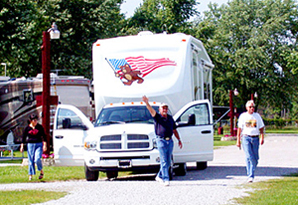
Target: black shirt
164,126
31,135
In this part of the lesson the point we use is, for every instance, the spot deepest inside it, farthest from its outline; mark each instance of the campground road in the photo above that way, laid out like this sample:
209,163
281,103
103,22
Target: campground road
218,184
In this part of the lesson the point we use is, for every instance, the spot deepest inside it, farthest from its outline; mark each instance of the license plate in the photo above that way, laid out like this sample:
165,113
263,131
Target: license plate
124,163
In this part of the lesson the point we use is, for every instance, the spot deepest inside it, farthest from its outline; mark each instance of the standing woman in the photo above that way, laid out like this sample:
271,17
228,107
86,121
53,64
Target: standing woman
35,137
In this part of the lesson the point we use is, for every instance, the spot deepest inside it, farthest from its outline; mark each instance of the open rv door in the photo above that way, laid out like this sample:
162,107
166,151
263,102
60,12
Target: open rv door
71,127
195,127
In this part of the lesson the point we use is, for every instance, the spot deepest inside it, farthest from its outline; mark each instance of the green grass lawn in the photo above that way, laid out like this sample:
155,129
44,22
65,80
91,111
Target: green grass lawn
273,192
27,197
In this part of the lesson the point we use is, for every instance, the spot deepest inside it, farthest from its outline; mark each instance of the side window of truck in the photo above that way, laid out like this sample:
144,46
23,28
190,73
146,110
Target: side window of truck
67,119
200,112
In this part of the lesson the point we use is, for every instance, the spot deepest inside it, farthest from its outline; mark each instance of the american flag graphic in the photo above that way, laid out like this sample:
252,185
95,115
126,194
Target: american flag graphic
144,65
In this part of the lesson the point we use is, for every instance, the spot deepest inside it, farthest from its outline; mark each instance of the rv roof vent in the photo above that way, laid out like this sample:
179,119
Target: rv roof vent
145,33
52,75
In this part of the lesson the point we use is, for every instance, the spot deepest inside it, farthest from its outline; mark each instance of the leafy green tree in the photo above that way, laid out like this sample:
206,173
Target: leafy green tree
163,15
19,26
81,23
248,41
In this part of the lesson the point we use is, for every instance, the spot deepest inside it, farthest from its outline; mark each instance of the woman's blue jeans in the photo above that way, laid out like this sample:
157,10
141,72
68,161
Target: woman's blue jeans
165,148
251,148
34,157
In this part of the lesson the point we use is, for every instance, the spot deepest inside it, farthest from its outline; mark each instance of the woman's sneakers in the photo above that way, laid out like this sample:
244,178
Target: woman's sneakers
30,177
40,176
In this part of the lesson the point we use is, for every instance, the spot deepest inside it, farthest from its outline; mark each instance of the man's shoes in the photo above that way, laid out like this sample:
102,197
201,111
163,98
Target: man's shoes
158,179
30,178
250,180
166,183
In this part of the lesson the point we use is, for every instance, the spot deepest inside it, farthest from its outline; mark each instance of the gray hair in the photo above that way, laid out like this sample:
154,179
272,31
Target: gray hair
249,103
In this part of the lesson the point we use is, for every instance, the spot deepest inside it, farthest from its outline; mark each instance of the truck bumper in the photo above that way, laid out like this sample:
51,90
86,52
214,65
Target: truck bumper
122,161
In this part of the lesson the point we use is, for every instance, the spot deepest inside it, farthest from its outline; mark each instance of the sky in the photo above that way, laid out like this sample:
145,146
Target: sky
129,6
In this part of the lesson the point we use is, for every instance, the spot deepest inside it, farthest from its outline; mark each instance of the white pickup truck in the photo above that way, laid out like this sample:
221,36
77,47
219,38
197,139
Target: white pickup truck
123,138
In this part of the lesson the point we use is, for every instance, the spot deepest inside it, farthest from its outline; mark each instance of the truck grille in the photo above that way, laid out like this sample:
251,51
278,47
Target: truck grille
124,142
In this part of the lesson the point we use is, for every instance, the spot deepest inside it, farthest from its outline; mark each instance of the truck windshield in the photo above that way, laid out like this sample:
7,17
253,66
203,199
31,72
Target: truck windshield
125,114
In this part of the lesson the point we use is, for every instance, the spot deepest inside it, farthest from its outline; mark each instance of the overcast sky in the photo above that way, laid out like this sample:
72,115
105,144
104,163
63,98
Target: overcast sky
129,6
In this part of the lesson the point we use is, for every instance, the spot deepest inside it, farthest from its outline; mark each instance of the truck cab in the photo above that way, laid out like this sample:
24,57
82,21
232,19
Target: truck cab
123,138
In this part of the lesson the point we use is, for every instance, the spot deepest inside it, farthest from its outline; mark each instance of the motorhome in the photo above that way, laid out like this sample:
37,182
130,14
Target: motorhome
21,97
170,68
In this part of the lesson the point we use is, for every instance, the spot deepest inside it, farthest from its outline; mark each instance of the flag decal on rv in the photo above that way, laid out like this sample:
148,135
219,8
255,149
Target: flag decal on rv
132,69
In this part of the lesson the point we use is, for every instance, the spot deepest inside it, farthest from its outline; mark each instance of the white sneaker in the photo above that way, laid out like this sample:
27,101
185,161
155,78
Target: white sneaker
166,183
158,179
250,180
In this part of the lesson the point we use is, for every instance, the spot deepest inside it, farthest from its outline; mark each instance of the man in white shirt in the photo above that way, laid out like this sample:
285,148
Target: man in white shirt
251,129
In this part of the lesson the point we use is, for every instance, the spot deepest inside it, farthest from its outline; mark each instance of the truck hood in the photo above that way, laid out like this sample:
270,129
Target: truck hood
129,128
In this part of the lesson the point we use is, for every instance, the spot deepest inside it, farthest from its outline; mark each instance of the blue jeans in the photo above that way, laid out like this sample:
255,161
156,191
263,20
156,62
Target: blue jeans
165,148
34,156
251,148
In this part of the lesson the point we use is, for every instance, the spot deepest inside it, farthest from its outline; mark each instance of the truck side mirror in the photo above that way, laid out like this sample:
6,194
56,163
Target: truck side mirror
191,119
66,123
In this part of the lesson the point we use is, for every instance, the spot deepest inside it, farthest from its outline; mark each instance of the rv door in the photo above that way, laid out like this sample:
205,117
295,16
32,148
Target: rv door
195,127
71,127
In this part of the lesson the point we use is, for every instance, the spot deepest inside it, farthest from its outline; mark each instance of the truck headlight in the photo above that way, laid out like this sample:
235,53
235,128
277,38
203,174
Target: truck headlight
90,145
154,143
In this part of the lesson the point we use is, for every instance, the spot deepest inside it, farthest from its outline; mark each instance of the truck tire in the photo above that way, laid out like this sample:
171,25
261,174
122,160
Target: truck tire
181,169
112,174
171,169
201,165
91,175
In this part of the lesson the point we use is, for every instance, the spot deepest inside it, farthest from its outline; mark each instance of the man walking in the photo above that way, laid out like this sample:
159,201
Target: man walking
251,128
165,127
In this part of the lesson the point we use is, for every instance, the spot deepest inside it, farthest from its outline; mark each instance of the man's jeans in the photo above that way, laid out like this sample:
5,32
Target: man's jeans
165,148
251,148
34,156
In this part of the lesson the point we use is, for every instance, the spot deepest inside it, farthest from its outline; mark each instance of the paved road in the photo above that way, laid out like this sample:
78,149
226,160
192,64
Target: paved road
218,184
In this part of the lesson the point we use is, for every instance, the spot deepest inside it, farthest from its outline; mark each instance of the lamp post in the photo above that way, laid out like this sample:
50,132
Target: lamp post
4,68
252,96
52,33
232,114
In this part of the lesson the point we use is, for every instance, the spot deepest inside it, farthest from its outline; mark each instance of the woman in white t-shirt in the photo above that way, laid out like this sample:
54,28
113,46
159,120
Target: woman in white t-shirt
251,128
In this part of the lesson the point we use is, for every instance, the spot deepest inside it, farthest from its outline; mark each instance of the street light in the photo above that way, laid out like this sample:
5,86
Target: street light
4,68
232,114
52,33
255,95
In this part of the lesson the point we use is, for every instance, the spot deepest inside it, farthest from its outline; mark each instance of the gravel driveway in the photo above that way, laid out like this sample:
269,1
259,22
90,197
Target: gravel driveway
218,184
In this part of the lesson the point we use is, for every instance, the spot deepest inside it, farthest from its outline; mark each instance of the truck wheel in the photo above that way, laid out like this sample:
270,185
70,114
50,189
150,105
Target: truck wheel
201,165
91,175
112,174
181,169
171,169
171,173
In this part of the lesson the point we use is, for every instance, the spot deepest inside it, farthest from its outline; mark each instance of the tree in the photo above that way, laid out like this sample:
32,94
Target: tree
19,30
248,41
81,23
163,15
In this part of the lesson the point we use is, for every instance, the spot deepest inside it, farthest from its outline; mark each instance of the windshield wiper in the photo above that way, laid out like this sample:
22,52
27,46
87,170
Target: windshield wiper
111,122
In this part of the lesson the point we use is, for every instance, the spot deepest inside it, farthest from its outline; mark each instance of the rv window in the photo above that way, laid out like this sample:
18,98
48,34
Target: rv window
27,95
